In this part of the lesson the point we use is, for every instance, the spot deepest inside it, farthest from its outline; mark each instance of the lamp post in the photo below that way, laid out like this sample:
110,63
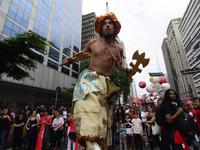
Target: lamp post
57,92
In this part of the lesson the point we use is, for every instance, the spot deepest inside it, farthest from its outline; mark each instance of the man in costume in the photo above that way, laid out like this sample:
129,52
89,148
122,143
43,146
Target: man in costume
94,91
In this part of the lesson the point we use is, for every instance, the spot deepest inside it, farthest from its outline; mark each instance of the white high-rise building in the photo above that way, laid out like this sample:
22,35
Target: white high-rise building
189,29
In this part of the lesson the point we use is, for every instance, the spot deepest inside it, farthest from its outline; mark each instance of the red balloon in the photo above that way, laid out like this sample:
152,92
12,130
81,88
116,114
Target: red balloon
162,80
150,94
142,84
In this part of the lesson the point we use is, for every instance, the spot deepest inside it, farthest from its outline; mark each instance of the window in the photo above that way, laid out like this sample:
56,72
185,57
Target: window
65,70
75,75
55,41
24,4
67,41
71,2
68,32
56,31
44,8
59,12
52,64
17,15
69,23
70,7
0,2
60,4
57,21
54,54
11,28
48,2
40,30
77,41
42,19
77,32
66,50
75,67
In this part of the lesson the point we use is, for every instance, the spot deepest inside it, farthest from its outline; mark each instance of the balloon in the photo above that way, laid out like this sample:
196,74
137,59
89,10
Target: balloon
139,97
154,80
165,86
146,95
151,94
155,94
150,88
155,102
162,80
142,84
152,98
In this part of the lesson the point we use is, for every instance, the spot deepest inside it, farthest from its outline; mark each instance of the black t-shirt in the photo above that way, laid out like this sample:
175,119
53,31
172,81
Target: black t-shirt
128,125
167,109
3,123
19,130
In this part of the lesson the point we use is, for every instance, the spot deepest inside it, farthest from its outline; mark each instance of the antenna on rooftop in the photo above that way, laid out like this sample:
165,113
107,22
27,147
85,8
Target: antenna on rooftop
107,9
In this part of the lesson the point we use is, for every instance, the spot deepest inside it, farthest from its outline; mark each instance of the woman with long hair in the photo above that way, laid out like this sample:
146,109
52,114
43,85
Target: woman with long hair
31,126
5,121
170,114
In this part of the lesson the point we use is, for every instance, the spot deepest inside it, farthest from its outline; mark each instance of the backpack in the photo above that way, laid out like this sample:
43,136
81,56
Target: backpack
160,118
186,124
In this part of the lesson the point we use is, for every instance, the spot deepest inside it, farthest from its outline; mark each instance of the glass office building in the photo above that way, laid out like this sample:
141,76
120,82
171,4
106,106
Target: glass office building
57,20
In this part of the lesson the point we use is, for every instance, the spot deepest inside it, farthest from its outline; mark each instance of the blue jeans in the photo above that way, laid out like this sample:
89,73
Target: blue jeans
3,139
175,146
195,144
114,139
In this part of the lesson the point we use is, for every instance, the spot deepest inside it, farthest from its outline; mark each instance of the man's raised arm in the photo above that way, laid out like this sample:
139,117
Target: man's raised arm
85,53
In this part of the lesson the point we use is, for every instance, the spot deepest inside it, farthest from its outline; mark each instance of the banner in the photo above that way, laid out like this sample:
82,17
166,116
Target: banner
189,101
135,100
40,138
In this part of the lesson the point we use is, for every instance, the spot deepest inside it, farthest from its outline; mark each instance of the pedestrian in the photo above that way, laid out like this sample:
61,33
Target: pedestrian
72,134
94,92
122,134
170,117
5,121
18,131
137,130
128,129
57,125
31,126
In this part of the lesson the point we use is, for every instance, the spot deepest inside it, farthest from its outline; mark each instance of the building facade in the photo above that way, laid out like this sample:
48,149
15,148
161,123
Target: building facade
189,29
171,73
178,60
88,29
60,22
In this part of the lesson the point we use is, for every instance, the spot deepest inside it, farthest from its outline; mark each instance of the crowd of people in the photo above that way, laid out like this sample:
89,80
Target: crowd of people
132,126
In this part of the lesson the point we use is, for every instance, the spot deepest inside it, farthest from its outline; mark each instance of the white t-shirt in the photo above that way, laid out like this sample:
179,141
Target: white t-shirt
136,125
65,114
143,114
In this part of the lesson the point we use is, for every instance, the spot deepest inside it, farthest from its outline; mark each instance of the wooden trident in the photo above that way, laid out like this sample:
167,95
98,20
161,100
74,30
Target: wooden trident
140,60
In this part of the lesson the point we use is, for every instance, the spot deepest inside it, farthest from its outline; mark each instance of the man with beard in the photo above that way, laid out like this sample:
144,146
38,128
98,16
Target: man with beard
94,91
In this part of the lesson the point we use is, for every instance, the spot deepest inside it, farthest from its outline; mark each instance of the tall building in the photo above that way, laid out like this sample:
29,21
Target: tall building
178,60
88,29
60,22
189,29
172,77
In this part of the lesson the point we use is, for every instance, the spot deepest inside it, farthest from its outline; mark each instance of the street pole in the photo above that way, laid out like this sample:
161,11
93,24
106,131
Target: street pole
57,90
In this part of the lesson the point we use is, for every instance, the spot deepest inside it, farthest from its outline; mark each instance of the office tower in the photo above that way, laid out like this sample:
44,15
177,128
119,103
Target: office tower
189,29
60,22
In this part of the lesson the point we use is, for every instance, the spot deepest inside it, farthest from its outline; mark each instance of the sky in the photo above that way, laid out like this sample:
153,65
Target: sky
144,24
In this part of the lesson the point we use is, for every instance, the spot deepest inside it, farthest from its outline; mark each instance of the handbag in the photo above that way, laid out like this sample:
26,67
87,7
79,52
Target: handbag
156,129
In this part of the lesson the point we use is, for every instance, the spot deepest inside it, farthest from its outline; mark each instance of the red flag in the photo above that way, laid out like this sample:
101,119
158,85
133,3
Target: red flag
40,138
178,139
189,101
183,96
135,100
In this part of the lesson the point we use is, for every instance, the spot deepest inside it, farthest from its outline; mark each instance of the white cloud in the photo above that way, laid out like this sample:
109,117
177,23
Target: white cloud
144,24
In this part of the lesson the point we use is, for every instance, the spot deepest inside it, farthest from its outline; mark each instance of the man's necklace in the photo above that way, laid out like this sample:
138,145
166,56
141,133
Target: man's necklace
117,59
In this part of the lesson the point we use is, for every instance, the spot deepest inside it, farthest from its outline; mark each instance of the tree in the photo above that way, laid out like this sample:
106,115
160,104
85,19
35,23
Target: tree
119,79
67,93
16,56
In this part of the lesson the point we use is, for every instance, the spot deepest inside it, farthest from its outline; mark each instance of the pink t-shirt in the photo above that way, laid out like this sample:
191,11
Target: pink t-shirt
57,123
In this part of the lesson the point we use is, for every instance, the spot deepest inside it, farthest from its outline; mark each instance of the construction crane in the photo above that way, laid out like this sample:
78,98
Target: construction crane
107,9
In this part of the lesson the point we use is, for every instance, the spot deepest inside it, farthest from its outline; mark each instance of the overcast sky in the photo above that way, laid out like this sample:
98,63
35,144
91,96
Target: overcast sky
144,24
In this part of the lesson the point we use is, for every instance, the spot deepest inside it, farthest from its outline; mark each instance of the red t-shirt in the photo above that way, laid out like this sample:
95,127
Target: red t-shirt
47,119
